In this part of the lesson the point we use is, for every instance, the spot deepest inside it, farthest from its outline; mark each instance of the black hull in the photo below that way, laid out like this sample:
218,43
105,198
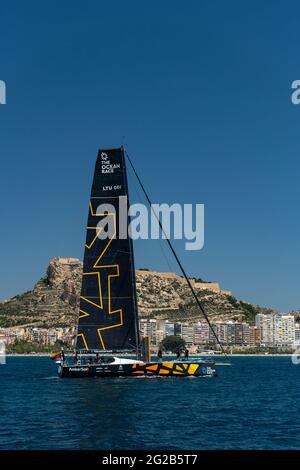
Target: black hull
162,369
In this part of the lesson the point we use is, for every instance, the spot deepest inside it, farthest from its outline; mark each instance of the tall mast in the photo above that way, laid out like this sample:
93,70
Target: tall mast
133,283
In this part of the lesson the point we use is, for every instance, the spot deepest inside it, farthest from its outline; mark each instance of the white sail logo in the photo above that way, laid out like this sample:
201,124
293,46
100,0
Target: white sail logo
106,165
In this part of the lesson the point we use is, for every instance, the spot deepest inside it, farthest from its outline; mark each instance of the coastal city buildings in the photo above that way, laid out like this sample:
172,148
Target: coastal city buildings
284,330
297,334
201,333
266,325
7,337
38,336
275,331
269,331
254,336
187,333
169,328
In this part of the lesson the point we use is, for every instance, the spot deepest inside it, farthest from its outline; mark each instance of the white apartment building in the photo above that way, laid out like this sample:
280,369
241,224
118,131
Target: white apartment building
266,324
160,330
148,328
297,334
187,333
284,333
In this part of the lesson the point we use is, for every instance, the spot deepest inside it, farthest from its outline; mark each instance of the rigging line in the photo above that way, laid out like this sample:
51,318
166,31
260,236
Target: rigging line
138,193
176,257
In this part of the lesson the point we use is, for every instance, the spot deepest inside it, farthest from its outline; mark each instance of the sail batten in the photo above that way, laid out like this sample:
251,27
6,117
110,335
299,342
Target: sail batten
108,308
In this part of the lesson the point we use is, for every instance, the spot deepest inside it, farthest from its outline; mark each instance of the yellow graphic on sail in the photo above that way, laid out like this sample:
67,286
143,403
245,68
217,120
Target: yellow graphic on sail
97,274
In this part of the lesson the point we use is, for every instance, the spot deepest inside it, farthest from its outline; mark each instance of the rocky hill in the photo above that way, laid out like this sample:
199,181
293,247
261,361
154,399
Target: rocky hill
54,300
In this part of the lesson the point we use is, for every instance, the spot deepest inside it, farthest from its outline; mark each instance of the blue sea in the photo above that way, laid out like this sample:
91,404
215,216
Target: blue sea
255,404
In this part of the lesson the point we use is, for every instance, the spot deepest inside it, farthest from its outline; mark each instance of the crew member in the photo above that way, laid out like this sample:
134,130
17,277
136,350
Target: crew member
159,355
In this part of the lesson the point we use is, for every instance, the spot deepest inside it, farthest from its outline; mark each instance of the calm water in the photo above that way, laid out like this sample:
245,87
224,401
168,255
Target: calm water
255,404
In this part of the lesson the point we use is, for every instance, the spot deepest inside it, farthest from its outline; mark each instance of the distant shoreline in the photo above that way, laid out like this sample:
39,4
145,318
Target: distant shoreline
195,355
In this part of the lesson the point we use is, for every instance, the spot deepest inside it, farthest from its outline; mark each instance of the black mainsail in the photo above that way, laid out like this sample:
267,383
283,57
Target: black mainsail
108,307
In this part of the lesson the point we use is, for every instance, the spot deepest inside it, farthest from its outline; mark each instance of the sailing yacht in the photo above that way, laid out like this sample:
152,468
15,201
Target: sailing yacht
108,325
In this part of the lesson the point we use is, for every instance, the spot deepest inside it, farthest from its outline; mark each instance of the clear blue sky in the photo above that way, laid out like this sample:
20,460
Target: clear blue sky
198,91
